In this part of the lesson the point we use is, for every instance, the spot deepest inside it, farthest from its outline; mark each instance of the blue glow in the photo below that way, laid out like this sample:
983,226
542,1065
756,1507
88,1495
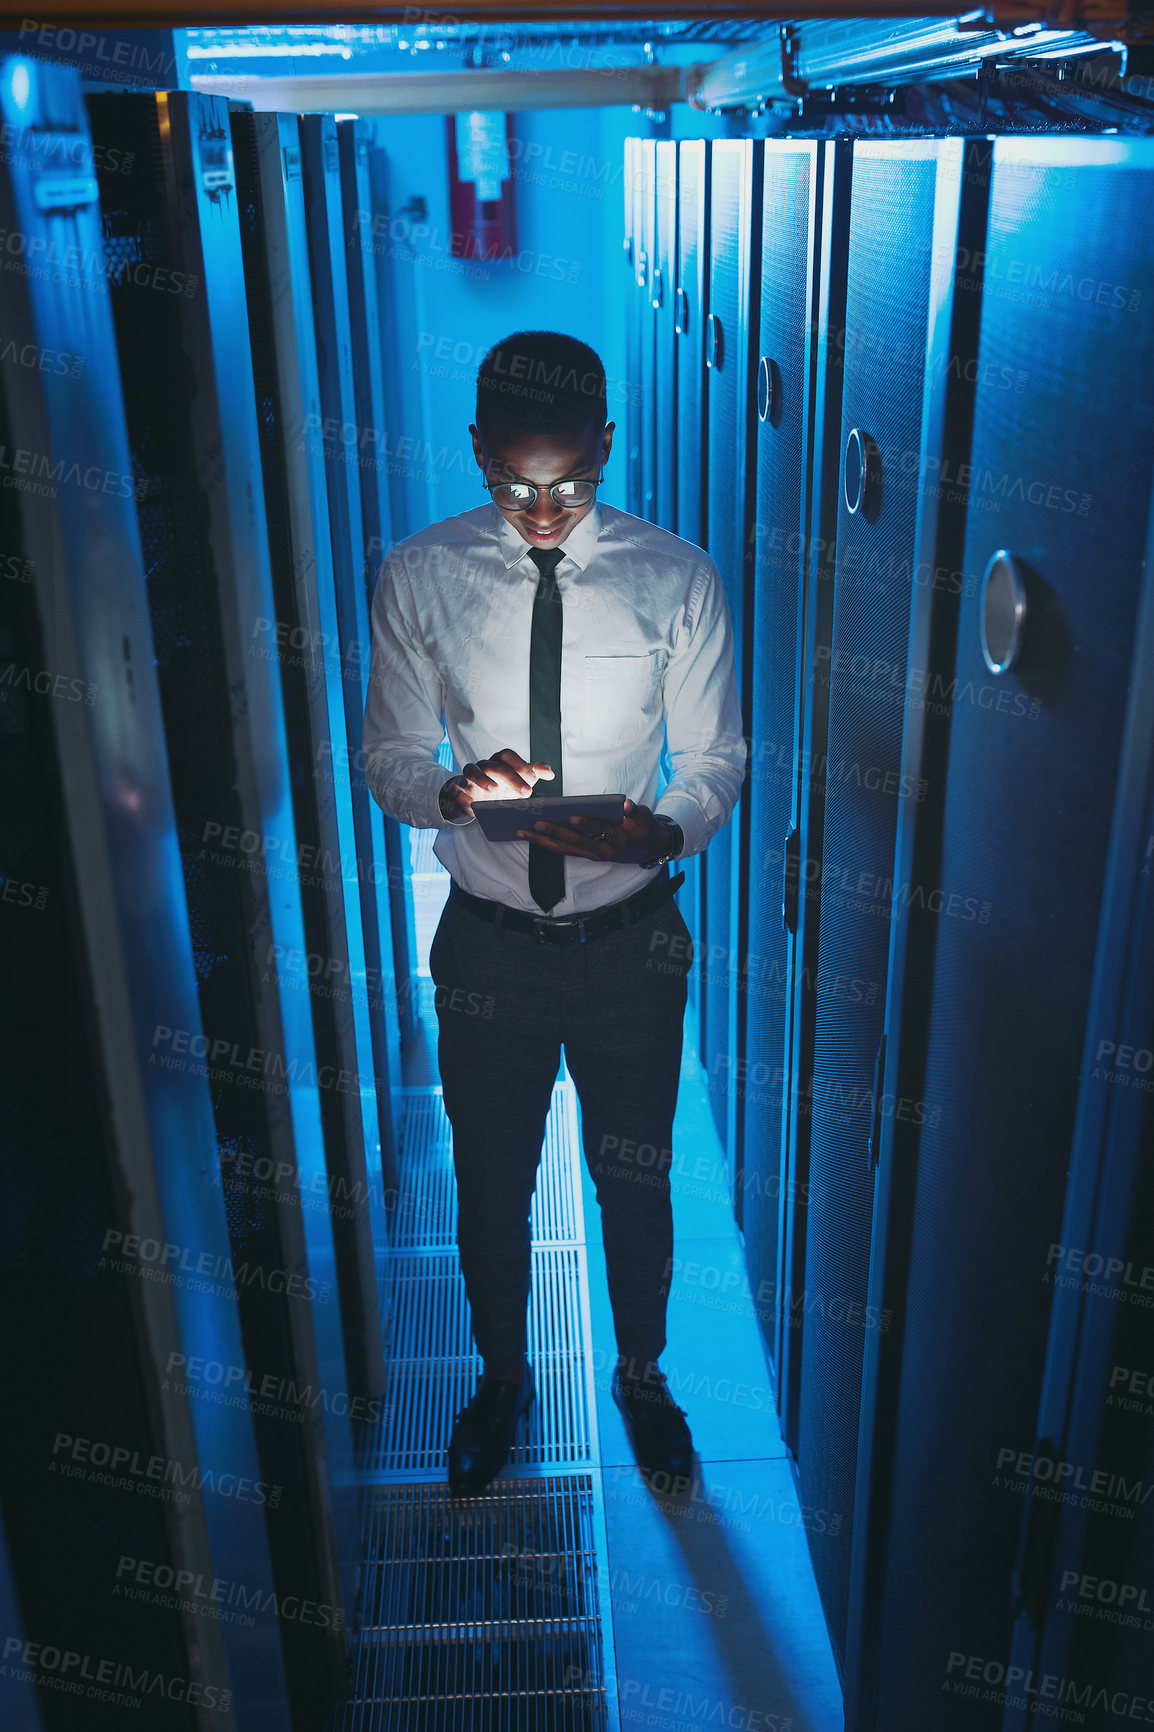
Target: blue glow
20,84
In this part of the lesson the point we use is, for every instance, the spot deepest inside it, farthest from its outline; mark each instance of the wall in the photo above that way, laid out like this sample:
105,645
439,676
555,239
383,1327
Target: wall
568,275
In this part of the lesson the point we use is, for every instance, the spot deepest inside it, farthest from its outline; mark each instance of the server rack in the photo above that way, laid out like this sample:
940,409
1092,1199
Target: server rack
346,460
689,332
971,1199
312,671
189,396
634,254
895,189
1076,1568
402,917
663,298
734,287
646,215
801,888
116,1265
785,369
368,351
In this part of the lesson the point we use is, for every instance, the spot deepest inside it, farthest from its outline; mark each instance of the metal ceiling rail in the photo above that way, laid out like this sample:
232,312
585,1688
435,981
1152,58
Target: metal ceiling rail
814,56
451,92
820,54
1100,17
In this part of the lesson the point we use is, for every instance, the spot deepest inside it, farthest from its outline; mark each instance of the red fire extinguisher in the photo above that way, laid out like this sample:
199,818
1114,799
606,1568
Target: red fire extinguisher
481,214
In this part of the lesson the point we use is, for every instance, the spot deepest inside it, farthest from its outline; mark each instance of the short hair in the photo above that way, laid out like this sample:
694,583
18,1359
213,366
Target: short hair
540,382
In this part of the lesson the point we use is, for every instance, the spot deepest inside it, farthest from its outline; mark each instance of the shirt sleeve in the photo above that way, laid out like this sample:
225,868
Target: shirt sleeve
403,715
703,732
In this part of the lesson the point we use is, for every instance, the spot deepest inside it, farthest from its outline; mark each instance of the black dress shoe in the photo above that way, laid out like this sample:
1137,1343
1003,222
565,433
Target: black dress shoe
658,1433
483,1433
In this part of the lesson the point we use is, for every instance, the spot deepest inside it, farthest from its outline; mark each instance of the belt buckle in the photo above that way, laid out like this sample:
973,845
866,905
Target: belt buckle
541,926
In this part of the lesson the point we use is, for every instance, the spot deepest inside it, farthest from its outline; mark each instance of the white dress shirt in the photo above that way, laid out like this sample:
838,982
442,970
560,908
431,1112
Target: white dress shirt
646,662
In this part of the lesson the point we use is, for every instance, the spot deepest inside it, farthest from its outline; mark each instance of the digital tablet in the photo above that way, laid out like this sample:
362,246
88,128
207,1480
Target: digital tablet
500,820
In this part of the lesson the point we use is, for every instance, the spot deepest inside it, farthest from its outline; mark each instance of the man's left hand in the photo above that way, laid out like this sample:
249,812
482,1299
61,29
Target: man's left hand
634,838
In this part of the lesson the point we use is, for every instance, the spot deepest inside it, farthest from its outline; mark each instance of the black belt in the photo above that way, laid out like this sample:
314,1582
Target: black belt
578,928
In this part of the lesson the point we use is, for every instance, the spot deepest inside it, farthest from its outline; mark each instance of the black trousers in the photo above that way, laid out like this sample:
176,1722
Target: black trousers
506,1004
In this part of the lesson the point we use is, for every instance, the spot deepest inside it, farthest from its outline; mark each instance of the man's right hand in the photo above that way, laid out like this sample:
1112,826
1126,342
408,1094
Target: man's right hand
505,776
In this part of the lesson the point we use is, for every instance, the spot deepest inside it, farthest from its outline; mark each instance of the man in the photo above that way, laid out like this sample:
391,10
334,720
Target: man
560,644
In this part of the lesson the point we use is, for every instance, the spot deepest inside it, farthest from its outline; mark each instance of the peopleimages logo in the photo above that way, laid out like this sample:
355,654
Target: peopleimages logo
76,1674
1017,1686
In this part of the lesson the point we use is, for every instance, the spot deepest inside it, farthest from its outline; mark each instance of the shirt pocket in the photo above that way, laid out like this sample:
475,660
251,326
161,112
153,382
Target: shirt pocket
622,694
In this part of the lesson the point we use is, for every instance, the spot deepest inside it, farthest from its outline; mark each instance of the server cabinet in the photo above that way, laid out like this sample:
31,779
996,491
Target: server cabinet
995,965
689,308
349,445
312,671
689,331
646,209
119,1470
734,287
368,348
173,249
402,919
801,867
787,323
1082,1599
663,298
892,217
634,247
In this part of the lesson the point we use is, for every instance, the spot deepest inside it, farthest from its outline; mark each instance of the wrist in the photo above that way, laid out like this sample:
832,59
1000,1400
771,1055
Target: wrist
671,840
447,802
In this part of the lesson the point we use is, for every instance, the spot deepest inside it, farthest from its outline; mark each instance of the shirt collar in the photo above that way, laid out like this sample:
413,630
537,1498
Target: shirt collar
577,546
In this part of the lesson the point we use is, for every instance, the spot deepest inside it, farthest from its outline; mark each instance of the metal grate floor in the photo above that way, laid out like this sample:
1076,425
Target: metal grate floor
433,1368
483,1615
488,1613
426,1208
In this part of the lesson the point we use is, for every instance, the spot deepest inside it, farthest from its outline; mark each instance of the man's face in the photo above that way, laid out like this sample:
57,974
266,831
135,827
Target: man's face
542,460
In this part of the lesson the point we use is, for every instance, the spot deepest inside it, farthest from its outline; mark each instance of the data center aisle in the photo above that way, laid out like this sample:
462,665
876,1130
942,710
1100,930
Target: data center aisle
570,1596
716,1615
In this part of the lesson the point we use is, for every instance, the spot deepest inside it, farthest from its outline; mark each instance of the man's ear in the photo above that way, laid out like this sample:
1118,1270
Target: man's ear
478,450
607,441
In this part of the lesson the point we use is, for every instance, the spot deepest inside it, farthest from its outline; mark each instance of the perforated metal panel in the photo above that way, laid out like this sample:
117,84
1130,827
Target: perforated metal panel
663,296
189,396
787,240
885,341
689,327
1063,480
734,284
634,251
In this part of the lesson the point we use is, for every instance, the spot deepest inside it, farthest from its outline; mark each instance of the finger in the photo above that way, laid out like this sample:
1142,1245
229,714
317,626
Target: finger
510,782
507,756
583,850
477,777
600,828
560,837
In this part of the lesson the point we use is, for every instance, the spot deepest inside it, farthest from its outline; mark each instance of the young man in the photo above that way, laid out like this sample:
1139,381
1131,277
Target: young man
560,644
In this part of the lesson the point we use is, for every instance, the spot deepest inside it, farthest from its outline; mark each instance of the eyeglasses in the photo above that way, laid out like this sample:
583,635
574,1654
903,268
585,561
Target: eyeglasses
522,495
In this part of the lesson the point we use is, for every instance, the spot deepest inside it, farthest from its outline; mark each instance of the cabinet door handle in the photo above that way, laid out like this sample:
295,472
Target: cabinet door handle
713,343
791,877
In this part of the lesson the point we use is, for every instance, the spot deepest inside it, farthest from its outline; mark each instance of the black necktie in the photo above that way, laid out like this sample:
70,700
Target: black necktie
546,869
